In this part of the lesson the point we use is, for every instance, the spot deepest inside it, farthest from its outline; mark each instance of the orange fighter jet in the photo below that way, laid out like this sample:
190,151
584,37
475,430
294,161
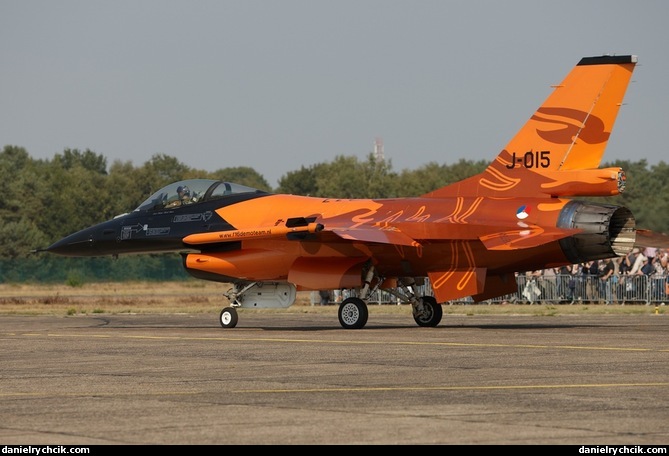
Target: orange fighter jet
468,238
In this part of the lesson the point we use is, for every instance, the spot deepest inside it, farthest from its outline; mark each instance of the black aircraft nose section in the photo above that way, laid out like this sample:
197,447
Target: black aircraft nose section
137,232
73,245
97,240
160,224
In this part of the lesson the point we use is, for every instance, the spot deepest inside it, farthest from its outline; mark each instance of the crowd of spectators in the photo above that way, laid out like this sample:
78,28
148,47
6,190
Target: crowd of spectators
640,276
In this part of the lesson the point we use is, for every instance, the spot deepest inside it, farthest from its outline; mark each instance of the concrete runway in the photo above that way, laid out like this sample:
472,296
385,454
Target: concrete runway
287,378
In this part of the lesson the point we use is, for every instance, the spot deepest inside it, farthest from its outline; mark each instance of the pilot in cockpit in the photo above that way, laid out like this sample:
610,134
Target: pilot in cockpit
184,197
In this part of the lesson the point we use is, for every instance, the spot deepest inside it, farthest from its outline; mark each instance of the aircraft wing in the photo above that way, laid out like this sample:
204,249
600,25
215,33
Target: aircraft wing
502,239
383,236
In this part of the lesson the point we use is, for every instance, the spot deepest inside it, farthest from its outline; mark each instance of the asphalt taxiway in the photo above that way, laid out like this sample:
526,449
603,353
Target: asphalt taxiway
287,378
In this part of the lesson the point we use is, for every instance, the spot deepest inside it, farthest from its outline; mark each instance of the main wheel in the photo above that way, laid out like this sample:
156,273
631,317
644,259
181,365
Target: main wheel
353,313
432,313
228,317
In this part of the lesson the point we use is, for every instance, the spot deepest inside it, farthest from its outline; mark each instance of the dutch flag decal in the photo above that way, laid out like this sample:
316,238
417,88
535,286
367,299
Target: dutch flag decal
523,212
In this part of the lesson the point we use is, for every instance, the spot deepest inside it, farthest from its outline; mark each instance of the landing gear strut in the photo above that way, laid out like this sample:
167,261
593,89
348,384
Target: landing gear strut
427,312
353,313
431,313
256,295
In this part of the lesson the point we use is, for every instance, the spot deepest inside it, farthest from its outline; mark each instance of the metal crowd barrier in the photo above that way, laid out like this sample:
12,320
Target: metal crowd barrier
553,289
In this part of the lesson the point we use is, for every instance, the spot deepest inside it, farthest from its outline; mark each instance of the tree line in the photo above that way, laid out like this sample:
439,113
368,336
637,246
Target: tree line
46,199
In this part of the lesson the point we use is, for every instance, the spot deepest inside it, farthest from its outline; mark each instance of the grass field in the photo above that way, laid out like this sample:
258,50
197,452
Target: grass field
198,296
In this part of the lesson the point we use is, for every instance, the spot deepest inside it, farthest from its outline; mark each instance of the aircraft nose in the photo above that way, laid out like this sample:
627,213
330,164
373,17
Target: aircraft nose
77,244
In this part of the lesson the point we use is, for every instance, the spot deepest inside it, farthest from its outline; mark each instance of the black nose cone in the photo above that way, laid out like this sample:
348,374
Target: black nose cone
81,243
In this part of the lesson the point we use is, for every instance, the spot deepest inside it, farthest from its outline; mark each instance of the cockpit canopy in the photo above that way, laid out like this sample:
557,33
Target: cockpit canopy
192,191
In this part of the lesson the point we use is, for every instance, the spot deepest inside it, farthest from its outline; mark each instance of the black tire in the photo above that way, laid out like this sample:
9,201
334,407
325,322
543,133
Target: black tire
431,315
353,313
228,317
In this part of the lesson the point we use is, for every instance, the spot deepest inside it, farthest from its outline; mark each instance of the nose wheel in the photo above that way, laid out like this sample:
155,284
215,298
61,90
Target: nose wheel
229,317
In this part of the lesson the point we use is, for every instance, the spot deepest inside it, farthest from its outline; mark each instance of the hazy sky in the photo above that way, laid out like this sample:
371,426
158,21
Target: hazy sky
280,84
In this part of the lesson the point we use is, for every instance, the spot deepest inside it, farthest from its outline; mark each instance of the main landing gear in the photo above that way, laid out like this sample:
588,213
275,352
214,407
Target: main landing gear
353,312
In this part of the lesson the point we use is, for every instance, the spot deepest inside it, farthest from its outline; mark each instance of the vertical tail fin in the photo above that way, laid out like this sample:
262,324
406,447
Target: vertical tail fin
558,151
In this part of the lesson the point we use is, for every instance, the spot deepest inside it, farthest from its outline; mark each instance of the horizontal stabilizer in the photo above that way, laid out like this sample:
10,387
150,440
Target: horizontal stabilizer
525,238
